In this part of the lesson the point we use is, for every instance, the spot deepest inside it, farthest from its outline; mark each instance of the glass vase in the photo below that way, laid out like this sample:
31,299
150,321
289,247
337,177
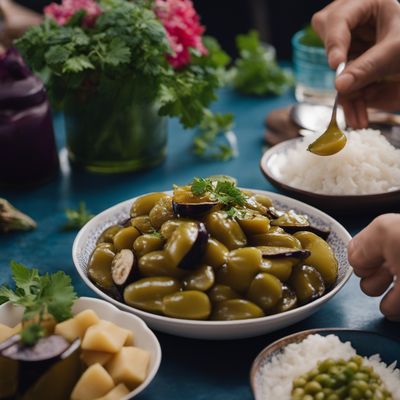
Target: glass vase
115,129
314,79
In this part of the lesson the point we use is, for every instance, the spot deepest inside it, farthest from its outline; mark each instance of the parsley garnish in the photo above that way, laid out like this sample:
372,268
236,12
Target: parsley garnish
225,192
39,295
157,234
256,72
77,218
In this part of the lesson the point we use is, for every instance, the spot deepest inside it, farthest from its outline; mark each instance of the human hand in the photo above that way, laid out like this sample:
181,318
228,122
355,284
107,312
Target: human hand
366,33
375,256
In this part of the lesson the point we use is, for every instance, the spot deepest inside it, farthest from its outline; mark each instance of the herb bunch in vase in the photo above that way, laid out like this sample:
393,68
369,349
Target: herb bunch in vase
118,69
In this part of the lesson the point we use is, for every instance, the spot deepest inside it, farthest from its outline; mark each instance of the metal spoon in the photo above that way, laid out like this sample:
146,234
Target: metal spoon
333,139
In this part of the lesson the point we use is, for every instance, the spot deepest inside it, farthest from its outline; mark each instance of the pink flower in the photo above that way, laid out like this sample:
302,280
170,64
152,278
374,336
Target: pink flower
183,27
63,12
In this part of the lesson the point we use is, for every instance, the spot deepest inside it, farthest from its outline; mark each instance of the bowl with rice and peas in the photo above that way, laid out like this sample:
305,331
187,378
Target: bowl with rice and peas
328,364
363,177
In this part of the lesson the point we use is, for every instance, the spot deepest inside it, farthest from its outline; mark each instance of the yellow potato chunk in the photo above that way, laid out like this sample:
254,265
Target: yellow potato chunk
116,394
87,318
5,332
130,340
77,326
90,357
129,366
94,382
17,328
105,336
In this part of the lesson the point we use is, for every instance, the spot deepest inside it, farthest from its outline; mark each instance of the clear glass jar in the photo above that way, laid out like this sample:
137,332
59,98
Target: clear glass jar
314,78
118,131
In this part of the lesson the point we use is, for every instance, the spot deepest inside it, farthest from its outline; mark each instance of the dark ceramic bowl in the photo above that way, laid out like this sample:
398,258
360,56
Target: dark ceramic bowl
335,204
365,343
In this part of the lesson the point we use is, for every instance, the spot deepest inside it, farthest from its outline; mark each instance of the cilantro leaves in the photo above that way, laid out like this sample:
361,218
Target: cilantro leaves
256,72
39,295
77,218
223,191
128,44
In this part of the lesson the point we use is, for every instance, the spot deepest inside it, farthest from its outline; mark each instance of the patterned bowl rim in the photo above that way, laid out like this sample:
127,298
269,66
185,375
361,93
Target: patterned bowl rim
310,211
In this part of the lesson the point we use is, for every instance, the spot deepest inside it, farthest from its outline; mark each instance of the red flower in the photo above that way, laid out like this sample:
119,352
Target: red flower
183,27
64,11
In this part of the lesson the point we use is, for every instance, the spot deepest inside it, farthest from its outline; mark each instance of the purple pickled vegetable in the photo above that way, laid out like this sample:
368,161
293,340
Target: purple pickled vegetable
195,254
192,210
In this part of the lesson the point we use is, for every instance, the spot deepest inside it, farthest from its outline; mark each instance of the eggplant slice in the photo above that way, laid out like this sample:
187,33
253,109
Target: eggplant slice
123,268
194,255
192,210
292,223
276,252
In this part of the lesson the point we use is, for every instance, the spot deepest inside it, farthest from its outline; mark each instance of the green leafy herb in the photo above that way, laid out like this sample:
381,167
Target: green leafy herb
200,186
215,138
32,333
127,45
225,192
310,38
256,72
77,218
187,93
157,234
234,212
39,295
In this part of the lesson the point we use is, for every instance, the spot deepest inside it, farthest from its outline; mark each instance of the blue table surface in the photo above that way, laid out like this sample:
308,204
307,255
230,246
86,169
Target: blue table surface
190,369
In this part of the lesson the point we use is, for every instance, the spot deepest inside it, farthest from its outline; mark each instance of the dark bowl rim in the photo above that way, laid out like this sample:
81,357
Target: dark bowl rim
304,334
356,197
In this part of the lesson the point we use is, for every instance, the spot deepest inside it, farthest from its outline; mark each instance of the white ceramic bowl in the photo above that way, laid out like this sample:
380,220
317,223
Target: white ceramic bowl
85,242
144,338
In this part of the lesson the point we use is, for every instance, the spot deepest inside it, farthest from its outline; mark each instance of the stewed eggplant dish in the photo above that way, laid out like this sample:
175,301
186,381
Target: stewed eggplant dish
212,251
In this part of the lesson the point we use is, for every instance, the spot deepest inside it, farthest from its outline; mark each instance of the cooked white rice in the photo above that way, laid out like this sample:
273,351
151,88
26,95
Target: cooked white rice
298,358
368,164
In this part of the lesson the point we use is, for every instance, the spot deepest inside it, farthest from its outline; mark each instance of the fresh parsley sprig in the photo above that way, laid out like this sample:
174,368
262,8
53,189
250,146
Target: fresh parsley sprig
225,192
51,294
256,72
77,218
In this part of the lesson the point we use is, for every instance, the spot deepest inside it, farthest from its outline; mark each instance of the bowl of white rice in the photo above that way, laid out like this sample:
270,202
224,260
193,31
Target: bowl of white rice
364,176
278,365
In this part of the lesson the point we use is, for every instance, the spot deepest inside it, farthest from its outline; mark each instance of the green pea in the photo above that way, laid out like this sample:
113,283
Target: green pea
299,382
312,387
360,385
324,379
333,396
298,392
355,393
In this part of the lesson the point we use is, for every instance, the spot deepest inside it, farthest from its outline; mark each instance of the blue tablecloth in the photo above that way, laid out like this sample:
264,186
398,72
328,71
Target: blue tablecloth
190,369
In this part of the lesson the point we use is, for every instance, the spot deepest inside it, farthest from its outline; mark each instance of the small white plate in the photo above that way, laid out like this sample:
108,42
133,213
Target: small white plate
144,338
336,204
85,243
